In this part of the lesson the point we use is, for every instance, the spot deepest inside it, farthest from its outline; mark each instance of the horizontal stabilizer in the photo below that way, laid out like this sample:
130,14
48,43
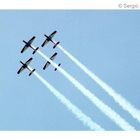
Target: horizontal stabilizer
35,50
58,66
31,72
56,45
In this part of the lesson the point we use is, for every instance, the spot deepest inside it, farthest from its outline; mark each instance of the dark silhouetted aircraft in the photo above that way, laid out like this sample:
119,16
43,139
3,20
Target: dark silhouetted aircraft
29,44
48,62
49,38
25,66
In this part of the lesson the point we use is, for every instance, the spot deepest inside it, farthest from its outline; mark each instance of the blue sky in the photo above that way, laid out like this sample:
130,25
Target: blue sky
107,42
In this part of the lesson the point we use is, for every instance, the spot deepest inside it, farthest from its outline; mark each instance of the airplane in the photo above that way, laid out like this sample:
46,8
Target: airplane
49,38
28,44
25,66
48,62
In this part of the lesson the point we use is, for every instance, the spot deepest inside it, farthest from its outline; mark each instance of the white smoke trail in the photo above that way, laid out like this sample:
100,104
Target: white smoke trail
125,104
87,121
103,107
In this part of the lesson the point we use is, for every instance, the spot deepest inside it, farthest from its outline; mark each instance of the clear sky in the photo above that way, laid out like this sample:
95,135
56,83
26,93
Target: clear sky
107,42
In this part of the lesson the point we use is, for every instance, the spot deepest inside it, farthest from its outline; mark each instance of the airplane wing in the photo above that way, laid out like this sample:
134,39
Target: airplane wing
45,42
53,56
28,61
20,70
52,34
49,38
24,48
31,40
25,65
46,65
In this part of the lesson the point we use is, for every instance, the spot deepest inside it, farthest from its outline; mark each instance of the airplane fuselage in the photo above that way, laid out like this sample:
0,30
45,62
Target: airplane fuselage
27,43
49,39
23,64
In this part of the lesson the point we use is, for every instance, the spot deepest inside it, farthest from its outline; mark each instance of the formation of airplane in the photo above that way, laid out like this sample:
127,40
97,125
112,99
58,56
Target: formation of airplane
29,45
25,66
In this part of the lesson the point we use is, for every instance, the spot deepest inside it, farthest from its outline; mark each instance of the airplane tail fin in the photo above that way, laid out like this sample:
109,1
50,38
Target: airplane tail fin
31,72
35,50
56,45
58,66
